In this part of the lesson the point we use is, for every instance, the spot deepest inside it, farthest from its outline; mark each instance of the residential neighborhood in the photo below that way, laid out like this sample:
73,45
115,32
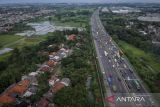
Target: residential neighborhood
9,18
28,86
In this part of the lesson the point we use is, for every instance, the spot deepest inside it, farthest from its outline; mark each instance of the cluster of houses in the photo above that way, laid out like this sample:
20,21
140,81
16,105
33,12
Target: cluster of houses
55,85
14,92
28,85
9,18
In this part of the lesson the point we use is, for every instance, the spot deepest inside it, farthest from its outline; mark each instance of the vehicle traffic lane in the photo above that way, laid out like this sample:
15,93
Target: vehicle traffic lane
115,80
127,74
107,88
109,71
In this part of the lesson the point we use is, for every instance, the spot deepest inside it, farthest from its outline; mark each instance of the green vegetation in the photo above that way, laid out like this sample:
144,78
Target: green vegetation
95,88
28,41
146,64
74,17
116,25
7,39
4,56
13,41
78,67
71,21
43,87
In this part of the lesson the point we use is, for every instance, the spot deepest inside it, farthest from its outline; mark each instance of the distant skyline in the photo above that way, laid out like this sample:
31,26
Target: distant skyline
78,1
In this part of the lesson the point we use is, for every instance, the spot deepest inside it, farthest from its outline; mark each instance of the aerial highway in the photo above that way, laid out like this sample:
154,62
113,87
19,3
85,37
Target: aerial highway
119,78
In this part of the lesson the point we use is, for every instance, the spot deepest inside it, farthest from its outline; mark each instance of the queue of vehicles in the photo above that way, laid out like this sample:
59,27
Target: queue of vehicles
125,73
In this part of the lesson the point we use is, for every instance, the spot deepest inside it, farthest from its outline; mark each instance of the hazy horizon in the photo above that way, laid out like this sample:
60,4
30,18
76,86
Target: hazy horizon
78,1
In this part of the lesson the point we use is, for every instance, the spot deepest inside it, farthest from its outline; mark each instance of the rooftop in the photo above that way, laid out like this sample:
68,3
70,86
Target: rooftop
72,37
20,87
6,99
42,103
57,87
45,68
65,81
51,63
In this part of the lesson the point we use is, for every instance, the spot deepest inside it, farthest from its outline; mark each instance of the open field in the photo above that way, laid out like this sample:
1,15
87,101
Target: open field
7,39
149,58
147,65
12,41
26,41
76,21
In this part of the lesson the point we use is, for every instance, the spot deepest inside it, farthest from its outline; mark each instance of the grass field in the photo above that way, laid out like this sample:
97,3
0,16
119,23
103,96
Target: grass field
12,41
7,39
147,65
26,41
149,58
72,22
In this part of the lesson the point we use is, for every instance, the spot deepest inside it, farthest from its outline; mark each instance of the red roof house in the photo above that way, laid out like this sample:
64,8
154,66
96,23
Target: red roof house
6,99
20,87
51,63
57,87
45,68
72,37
